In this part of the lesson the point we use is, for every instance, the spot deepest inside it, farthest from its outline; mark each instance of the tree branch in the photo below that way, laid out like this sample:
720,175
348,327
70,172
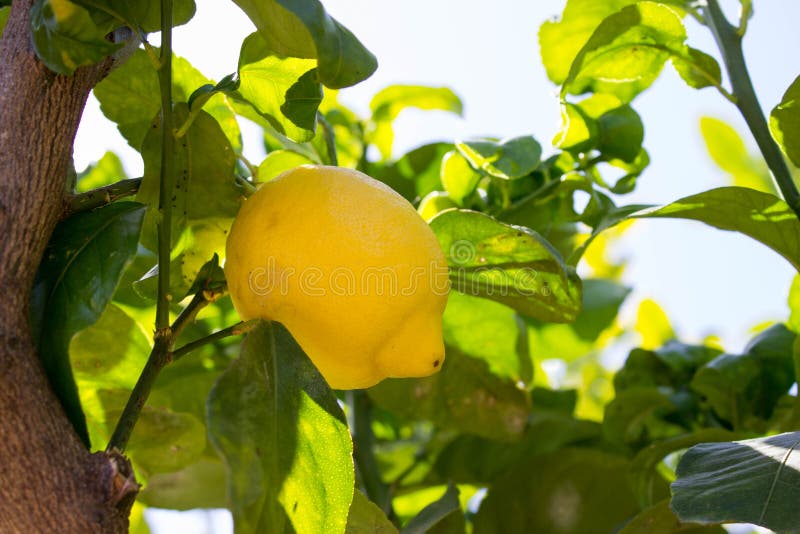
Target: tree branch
729,41
102,195
167,174
50,481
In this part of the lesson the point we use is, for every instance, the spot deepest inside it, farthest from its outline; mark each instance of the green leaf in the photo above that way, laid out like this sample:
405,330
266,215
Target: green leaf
604,123
205,197
728,151
283,437
439,516
129,97
107,358
462,396
794,305
627,51
566,491
491,332
279,161
282,91
506,159
303,29
561,40
784,122
620,133
78,275
672,365
660,519
434,203
387,104
366,518
751,481
106,171
698,69
762,216
198,485
458,177
509,264
643,470
477,460
578,132
163,441
636,417
203,94
110,354
4,11
144,15
417,173
209,277
749,385
65,37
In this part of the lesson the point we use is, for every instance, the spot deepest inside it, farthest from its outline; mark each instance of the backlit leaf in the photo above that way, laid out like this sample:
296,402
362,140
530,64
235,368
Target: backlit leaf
129,97
561,40
204,196
283,437
387,104
728,151
762,216
697,69
283,91
784,122
510,264
507,159
627,51
303,29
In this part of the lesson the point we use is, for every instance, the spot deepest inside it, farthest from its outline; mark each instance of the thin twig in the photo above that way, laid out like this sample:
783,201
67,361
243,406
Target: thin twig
330,139
233,330
103,195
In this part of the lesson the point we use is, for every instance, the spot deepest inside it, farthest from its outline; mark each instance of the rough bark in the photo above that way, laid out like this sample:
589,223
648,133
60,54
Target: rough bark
49,482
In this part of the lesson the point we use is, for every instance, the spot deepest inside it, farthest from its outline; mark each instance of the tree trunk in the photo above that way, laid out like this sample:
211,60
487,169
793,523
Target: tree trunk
49,482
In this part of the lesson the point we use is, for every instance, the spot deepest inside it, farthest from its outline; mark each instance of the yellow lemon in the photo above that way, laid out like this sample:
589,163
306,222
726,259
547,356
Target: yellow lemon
349,267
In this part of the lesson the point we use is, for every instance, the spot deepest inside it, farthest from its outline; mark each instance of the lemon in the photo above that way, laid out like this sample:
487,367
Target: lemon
349,267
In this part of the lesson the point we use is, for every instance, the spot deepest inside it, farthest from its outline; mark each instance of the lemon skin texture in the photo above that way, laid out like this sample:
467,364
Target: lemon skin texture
349,267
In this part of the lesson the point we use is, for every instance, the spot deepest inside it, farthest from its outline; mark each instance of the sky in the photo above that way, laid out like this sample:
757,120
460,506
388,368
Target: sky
708,281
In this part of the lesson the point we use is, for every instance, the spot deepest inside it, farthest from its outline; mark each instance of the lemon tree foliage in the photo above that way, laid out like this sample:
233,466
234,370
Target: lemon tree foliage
490,406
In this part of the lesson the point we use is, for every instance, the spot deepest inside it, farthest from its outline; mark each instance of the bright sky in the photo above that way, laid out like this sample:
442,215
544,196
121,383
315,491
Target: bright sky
707,280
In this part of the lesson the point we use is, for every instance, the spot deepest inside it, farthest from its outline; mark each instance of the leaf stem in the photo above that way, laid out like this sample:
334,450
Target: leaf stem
729,41
363,453
166,175
330,139
233,330
102,195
